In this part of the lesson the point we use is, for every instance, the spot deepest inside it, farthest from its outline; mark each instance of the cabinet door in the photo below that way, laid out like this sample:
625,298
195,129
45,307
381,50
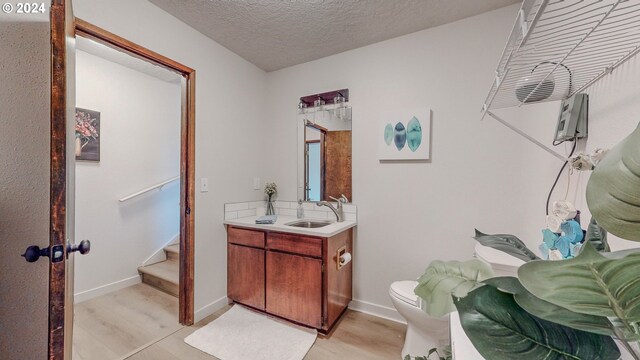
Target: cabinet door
245,275
294,288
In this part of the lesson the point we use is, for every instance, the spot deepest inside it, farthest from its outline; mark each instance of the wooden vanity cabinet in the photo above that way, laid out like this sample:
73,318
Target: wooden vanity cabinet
245,267
292,276
294,288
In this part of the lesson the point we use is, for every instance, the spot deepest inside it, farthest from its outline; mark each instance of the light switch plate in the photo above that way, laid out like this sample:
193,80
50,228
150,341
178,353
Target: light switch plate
204,185
256,183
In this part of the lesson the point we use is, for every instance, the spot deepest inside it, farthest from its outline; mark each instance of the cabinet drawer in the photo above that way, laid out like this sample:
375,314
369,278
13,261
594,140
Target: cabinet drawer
245,237
295,244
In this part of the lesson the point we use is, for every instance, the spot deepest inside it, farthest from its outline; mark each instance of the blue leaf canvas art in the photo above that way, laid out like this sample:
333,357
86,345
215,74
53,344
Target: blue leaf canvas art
388,134
400,136
405,135
414,134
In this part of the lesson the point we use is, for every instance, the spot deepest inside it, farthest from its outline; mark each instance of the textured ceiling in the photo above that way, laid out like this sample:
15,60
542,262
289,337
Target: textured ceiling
131,62
274,34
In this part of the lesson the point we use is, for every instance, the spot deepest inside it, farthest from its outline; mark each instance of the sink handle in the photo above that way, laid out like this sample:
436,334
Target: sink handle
342,200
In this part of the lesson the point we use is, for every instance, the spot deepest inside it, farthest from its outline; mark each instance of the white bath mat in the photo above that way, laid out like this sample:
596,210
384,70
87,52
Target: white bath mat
241,334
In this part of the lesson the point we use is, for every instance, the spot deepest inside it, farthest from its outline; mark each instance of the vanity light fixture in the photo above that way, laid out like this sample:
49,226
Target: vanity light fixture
318,108
302,107
319,104
330,101
340,110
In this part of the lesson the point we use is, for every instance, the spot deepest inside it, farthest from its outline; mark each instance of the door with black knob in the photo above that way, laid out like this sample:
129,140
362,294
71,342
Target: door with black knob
36,103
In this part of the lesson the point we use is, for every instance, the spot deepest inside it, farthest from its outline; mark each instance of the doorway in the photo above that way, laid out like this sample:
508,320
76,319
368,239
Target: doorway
187,152
314,141
127,198
181,254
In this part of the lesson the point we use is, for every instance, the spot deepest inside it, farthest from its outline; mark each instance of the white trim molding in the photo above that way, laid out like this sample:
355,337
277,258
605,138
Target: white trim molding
210,308
104,289
159,255
376,310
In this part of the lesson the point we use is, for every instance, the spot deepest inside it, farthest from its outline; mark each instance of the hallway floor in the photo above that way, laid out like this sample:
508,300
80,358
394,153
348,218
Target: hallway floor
115,325
140,323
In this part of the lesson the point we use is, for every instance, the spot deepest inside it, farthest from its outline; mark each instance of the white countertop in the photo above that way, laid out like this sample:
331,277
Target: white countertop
325,231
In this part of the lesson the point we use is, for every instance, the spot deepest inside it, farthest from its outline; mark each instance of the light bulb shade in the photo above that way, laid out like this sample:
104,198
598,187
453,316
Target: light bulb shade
340,107
302,107
318,104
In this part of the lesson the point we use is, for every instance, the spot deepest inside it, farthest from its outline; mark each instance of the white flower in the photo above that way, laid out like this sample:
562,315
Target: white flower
271,189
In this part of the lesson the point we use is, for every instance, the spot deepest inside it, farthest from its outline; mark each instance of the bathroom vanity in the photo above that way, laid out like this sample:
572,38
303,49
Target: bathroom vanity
291,273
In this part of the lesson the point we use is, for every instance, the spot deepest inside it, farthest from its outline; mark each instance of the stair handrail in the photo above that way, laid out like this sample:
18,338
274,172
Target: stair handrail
150,188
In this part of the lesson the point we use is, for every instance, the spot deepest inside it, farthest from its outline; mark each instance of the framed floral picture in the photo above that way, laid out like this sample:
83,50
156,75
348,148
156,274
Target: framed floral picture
87,135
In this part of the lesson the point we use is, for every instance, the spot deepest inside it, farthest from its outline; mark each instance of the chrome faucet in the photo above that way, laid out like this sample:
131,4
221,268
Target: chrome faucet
339,210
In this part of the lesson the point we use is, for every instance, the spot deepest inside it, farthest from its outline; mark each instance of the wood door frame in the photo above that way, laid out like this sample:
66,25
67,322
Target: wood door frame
187,153
60,30
61,23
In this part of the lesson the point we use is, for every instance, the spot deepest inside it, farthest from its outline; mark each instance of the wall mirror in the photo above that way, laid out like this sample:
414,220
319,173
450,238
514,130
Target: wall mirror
324,146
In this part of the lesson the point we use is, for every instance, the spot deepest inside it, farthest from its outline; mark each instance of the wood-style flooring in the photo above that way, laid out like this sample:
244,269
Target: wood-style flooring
98,335
115,325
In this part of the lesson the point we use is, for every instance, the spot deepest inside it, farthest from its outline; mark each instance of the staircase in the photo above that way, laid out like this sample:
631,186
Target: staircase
164,275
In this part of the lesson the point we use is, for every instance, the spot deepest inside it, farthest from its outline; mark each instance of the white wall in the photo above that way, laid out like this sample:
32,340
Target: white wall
230,124
139,147
412,213
24,185
614,109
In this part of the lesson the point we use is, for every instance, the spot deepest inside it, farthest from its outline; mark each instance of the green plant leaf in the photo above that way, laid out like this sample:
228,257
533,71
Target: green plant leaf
446,351
551,312
506,243
597,236
501,330
613,192
441,280
597,284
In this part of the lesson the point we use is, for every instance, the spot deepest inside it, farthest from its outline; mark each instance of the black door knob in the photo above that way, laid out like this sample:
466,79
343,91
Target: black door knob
34,253
83,248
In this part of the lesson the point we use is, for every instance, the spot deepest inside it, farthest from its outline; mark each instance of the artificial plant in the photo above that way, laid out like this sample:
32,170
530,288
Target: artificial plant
567,309
613,190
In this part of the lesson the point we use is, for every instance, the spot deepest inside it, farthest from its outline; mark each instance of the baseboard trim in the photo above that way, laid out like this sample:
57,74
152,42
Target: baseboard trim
104,289
376,310
210,308
355,305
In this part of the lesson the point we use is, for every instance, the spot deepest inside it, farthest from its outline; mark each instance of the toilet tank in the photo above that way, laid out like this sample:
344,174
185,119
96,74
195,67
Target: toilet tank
502,263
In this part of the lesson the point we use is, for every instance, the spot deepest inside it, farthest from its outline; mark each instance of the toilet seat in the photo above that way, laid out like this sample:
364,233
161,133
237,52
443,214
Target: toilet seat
403,290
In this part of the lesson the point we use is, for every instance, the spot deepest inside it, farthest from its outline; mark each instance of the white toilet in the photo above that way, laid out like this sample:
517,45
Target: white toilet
502,263
423,331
